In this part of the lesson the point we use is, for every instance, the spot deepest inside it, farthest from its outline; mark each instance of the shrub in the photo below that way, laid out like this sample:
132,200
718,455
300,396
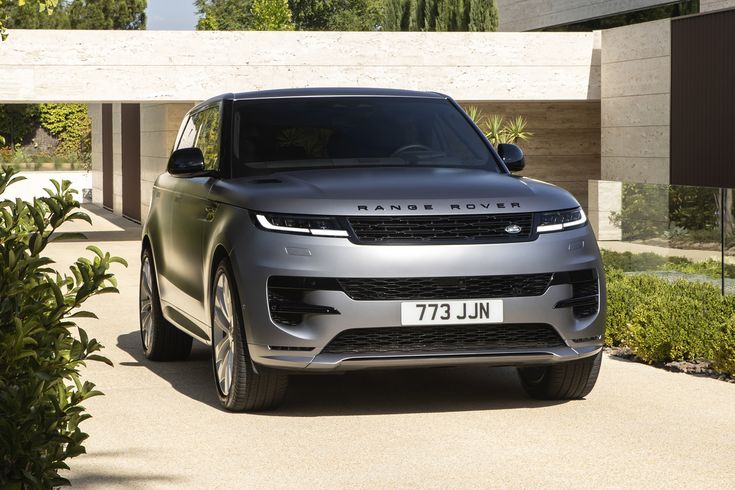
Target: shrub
41,346
723,350
71,125
665,321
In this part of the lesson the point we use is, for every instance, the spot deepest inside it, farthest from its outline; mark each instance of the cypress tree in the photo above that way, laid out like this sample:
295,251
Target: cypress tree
397,15
483,16
440,15
418,15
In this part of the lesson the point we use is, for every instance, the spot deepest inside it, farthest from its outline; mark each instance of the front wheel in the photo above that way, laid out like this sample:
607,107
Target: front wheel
239,386
564,381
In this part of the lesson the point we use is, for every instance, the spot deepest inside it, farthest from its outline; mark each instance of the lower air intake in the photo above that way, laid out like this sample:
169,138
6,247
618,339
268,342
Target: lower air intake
444,338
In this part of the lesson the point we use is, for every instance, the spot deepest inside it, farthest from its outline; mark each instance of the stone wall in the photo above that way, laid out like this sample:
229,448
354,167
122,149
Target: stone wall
527,15
95,115
710,5
117,178
635,104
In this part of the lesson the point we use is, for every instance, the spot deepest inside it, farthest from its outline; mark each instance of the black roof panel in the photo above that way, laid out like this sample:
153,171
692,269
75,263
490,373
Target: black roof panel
322,92
319,92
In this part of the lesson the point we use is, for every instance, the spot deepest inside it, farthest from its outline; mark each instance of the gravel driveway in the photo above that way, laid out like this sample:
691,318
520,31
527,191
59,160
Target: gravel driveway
160,426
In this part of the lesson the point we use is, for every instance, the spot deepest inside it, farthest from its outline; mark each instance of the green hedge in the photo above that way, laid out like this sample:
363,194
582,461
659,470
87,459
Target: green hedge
662,321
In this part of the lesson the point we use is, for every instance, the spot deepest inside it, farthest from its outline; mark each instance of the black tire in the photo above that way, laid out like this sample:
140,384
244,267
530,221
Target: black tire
165,342
564,381
250,390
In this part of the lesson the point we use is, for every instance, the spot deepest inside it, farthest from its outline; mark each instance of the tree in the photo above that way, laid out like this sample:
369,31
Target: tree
107,14
74,14
483,16
337,15
32,14
312,15
397,15
440,15
271,15
224,15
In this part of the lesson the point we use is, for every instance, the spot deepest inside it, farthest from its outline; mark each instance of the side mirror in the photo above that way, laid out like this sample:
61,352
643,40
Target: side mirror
512,156
186,161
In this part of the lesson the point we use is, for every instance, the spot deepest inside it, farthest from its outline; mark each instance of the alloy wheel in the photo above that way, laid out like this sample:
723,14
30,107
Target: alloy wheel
222,335
146,303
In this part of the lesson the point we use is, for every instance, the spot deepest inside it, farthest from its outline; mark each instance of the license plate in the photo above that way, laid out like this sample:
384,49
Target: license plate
452,312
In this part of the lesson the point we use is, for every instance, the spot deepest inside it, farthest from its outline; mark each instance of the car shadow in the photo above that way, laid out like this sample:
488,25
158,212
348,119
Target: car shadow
192,377
397,391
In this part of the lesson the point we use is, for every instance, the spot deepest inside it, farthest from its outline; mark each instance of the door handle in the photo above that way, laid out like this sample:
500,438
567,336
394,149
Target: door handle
177,198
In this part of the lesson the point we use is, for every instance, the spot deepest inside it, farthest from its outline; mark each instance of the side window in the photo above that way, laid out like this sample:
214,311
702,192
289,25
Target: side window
188,135
207,136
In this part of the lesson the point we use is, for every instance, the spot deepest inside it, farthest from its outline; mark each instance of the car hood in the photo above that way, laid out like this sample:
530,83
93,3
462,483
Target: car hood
391,191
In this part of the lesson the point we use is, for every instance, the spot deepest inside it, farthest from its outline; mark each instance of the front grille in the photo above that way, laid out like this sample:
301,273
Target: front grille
480,228
420,288
444,338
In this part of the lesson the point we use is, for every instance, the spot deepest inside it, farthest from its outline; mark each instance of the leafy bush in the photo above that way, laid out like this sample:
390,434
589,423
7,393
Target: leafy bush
41,346
71,125
663,321
723,351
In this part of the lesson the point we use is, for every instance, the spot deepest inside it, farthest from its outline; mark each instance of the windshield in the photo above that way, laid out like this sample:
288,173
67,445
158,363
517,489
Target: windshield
321,132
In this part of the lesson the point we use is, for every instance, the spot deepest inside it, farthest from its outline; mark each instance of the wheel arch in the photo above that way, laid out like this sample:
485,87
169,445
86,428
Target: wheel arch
220,252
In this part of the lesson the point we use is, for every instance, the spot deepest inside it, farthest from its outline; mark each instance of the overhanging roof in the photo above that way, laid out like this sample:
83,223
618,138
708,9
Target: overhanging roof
170,66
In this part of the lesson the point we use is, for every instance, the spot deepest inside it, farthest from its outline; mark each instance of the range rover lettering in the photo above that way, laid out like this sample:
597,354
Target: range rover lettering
324,230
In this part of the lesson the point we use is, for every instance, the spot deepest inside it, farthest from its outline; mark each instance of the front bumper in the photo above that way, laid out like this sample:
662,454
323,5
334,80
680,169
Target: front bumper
261,255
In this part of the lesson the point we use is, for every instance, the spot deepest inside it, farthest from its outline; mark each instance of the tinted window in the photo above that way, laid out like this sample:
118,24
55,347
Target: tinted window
207,140
202,131
353,131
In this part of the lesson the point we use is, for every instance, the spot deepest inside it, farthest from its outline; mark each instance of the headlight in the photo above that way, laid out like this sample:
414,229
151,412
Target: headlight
561,220
305,225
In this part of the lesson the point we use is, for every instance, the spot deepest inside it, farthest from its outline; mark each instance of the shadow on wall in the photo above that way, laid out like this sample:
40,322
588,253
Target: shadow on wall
356,393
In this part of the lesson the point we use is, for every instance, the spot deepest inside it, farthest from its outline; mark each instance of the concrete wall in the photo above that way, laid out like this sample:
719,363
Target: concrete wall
116,159
168,66
565,146
709,5
159,124
527,15
635,105
95,114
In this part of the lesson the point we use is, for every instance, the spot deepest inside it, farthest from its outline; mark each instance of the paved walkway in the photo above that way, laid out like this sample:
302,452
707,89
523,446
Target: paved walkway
159,425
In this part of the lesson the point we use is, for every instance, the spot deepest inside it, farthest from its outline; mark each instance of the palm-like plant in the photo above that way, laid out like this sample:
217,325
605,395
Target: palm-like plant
516,131
497,130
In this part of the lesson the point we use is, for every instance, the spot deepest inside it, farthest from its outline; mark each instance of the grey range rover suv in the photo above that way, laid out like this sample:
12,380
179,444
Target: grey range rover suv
322,230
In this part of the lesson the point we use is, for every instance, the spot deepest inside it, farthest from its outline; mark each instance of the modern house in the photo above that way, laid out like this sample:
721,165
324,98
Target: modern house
609,104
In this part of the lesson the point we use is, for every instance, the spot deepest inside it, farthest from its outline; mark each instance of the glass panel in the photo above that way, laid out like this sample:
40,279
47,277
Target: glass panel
668,231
